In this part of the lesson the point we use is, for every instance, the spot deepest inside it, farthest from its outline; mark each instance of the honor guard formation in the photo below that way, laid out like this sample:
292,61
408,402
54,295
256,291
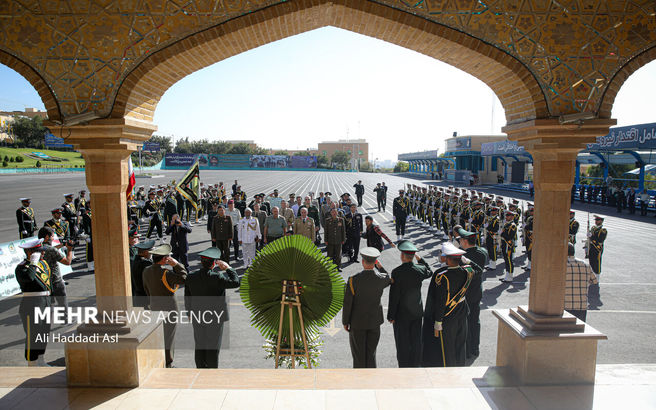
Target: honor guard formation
476,231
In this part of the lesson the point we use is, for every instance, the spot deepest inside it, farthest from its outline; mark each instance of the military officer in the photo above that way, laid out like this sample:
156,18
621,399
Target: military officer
596,238
359,192
445,317
86,233
508,235
26,219
491,232
528,235
477,221
478,260
59,226
304,225
313,212
160,285
152,211
205,292
221,233
69,213
362,314
405,308
141,261
173,205
249,234
573,227
334,237
33,277
81,201
380,196
400,210
354,227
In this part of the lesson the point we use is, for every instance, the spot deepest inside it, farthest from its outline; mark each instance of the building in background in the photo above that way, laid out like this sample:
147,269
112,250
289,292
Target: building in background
358,150
7,118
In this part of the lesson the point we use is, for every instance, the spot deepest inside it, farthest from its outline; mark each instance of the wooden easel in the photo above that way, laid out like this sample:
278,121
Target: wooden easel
290,298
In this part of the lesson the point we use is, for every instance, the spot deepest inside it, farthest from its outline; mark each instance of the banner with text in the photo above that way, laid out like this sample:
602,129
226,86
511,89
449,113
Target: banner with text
298,161
633,137
269,161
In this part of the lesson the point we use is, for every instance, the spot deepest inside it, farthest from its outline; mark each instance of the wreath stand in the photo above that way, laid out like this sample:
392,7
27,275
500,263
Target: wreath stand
290,298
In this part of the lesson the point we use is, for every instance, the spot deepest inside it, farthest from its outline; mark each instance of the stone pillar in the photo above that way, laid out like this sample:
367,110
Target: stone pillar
542,342
138,347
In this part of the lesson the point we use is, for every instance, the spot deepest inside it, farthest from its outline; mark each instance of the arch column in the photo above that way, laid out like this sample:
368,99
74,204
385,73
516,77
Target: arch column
106,146
542,342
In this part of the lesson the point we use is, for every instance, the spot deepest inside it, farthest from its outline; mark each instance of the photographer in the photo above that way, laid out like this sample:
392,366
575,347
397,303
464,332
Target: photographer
179,245
53,256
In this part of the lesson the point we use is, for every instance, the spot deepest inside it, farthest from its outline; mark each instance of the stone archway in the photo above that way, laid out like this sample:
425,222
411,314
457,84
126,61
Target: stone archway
517,89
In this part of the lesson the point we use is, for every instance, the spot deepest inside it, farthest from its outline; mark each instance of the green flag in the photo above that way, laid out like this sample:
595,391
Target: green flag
189,185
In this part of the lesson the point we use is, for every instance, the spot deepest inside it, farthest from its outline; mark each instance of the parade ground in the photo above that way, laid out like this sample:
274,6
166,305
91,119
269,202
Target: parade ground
626,312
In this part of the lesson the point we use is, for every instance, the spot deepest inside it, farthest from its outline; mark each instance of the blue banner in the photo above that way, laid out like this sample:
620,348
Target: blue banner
633,137
55,142
180,160
150,146
502,148
299,161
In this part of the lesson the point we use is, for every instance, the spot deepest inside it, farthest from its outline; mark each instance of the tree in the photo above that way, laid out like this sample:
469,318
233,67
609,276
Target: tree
29,132
366,167
339,158
322,160
38,164
241,148
401,166
281,152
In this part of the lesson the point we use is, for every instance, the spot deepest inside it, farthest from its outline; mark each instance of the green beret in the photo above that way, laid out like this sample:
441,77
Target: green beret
211,252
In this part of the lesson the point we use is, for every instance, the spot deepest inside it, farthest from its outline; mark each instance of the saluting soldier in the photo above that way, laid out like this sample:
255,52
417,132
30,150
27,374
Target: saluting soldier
70,215
491,231
160,285
33,277
400,213
334,237
26,219
508,235
478,259
141,261
405,308
573,227
362,314
359,192
205,291
59,226
444,330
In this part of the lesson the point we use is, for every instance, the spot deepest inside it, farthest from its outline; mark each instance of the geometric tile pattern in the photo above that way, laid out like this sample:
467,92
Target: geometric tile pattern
84,49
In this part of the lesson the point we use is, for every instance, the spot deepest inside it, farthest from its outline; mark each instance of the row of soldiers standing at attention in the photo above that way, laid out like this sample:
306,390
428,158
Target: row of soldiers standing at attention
498,225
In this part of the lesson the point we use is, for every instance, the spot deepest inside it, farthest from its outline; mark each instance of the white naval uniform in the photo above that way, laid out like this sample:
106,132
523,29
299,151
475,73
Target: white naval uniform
249,230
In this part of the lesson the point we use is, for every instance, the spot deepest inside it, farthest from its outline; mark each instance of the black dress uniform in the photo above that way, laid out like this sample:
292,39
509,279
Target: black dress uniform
34,282
492,229
573,228
69,213
406,309
596,246
359,192
151,210
205,292
60,227
363,312
479,259
85,227
445,303
400,212
173,206
380,197
138,265
26,221
508,235
354,226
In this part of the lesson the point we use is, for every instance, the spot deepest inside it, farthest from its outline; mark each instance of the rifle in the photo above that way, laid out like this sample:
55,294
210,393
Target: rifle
586,244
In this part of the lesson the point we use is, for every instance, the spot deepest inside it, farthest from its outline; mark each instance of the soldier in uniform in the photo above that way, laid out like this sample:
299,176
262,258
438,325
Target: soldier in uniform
248,232
86,233
477,221
491,231
445,318
354,227
400,211
596,238
304,225
313,212
363,313
573,227
205,291
152,211
26,219
81,201
172,205
141,261
59,226
334,237
160,285
508,235
221,233
359,192
478,260
528,235
405,308
380,196
33,277
69,213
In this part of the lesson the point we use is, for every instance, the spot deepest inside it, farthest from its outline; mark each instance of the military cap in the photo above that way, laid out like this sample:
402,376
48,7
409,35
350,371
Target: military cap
400,190
211,252
572,212
494,208
56,210
449,249
147,245
31,243
465,200
598,217
475,203
133,232
151,193
83,191
499,199
328,193
292,194
67,195
465,233
275,190
407,247
510,213
162,250
25,199
515,201
370,254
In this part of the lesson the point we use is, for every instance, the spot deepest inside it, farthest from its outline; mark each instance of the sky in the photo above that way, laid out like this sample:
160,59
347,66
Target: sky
331,84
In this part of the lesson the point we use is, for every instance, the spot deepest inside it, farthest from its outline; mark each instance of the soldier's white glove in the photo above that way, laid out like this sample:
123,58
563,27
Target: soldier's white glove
35,257
24,232
470,220
485,226
88,239
589,234
437,326
465,260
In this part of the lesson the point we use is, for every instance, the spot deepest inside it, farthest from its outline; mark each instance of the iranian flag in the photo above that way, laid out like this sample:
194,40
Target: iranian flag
131,178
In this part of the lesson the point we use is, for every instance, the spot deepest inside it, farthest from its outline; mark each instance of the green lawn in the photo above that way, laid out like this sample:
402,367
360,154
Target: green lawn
62,159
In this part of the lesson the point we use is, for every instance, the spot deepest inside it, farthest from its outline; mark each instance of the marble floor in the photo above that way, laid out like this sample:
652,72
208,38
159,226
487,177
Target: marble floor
617,387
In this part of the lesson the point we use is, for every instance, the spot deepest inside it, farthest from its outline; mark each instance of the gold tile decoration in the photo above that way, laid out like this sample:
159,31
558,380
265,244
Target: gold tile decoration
84,50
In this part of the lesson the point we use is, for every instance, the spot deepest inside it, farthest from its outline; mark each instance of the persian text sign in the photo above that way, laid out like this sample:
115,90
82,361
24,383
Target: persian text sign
634,137
502,148
418,155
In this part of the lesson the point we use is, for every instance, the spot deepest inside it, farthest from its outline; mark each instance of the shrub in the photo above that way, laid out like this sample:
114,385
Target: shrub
11,159
38,164
6,159
4,164
19,158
